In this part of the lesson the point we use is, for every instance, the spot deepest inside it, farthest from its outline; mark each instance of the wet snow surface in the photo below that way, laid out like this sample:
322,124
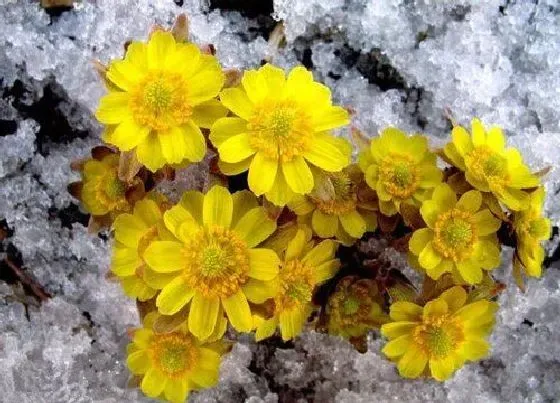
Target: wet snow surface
394,62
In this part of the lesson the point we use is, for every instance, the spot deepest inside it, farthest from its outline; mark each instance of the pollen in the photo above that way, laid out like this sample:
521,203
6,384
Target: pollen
111,192
160,101
174,354
217,262
400,176
296,282
487,164
280,129
439,336
455,234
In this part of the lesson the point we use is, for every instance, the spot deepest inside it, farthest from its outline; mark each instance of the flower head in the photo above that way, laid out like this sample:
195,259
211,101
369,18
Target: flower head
443,334
172,364
214,258
460,237
355,308
531,229
133,234
400,169
281,125
334,209
489,166
162,95
304,266
102,190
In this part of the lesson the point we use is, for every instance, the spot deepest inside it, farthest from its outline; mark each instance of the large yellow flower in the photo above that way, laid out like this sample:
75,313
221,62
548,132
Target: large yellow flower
443,334
163,94
531,229
133,233
333,208
304,266
281,125
489,166
214,258
172,364
460,237
400,169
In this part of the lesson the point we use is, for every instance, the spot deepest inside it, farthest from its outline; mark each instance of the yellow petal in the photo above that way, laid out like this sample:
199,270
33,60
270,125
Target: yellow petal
129,229
113,108
237,101
254,85
174,296
412,363
266,329
470,201
203,315
321,253
398,346
324,225
405,311
353,224
495,139
330,118
263,264
238,312
148,211
280,194
429,257
301,205
436,307
453,155
442,368
291,323
255,226
185,60
125,261
225,128
262,173
149,153
175,217
275,79
419,240
444,266
396,329
205,114
475,349
207,371
461,140
478,133
328,152
325,271
486,223
164,256
236,149
470,271
218,207
431,176
173,145
157,280
235,168
488,254
298,175
455,298
137,55
176,390
195,144
296,245
138,362
153,383
514,199
207,81
444,197
259,291
128,134
160,46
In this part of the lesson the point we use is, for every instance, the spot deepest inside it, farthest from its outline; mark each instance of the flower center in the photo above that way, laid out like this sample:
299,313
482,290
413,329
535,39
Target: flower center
400,176
455,234
345,198
217,262
439,336
350,305
296,285
160,101
174,354
111,192
279,129
488,165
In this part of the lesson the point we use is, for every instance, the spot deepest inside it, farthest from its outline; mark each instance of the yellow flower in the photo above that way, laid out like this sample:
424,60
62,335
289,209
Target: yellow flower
133,233
333,208
443,334
355,308
281,125
400,169
102,191
163,94
214,258
172,364
303,267
460,237
531,229
489,166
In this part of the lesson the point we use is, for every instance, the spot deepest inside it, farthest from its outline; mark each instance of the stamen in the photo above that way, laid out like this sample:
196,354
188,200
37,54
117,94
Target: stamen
455,234
439,336
400,176
486,164
296,282
174,354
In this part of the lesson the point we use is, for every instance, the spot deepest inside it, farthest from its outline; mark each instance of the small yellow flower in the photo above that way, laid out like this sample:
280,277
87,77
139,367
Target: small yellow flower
443,334
304,266
355,308
103,192
172,364
162,95
133,234
400,169
489,166
333,208
531,229
281,125
214,258
460,237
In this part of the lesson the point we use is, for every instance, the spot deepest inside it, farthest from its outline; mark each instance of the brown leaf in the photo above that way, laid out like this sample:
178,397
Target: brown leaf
233,77
360,139
145,307
180,28
128,166
56,3
209,49
168,323
75,189
543,172
387,224
276,40
100,152
78,165
135,192
412,217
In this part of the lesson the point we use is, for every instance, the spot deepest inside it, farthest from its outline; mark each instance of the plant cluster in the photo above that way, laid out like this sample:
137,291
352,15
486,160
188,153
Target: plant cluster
288,250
